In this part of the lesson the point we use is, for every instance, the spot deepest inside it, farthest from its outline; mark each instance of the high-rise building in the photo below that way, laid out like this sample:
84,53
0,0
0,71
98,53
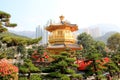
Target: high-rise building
41,32
94,32
38,31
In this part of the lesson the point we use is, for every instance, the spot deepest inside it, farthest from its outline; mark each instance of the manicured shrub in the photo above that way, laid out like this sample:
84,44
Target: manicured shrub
78,76
65,77
35,77
23,78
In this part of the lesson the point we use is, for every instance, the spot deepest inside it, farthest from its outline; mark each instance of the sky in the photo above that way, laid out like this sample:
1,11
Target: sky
28,14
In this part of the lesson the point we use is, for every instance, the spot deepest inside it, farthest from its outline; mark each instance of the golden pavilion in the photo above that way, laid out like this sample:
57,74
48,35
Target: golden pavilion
61,37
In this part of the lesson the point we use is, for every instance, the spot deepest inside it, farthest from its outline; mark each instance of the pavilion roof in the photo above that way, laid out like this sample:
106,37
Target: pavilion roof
63,46
62,25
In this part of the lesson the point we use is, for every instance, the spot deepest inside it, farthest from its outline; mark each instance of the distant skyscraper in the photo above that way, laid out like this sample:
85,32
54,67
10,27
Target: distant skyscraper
94,32
41,32
87,30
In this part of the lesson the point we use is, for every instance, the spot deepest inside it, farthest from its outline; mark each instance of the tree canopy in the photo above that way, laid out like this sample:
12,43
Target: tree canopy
5,21
85,40
15,40
62,64
113,41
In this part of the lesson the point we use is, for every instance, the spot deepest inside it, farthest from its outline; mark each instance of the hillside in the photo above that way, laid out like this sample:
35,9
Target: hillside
13,35
105,37
30,34
104,28
12,39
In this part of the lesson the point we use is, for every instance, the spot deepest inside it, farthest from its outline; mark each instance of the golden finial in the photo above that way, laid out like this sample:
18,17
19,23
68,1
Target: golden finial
61,17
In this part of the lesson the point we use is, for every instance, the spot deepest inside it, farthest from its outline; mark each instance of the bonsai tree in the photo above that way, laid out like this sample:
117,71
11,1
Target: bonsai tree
39,54
35,77
15,40
113,42
85,40
5,21
61,66
95,66
28,67
113,66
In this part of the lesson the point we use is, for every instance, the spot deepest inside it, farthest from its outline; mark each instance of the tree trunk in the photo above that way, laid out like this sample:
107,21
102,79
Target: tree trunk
95,69
110,76
28,75
118,74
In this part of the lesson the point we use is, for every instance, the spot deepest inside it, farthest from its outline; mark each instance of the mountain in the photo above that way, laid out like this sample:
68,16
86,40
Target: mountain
105,36
30,34
104,28
106,31
99,29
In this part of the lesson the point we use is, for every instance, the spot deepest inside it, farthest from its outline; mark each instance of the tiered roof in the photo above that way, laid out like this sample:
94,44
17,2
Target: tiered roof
62,25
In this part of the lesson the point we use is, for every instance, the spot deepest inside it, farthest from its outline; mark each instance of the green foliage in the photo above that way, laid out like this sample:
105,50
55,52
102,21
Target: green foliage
6,52
65,77
4,15
78,76
30,51
102,77
37,53
95,66
6,77
3,30
11,25
34,69
22,78
112,68
28,66
70,59
23,69
116,58
70,71
14,40
35,77
5,21
55,75
99,45
34,41
85,40
40,49
113,41
93,54
2,55
21,49
62,64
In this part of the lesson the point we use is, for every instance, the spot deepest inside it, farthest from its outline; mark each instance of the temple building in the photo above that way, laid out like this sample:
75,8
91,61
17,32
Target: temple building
61,37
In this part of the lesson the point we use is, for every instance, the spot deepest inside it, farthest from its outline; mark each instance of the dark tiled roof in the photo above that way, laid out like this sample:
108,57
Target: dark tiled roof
57,46
72,46
65,46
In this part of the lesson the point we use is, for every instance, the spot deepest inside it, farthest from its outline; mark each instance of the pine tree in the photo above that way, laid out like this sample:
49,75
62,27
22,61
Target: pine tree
115,63
61,66
28,67
5,21
95,67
